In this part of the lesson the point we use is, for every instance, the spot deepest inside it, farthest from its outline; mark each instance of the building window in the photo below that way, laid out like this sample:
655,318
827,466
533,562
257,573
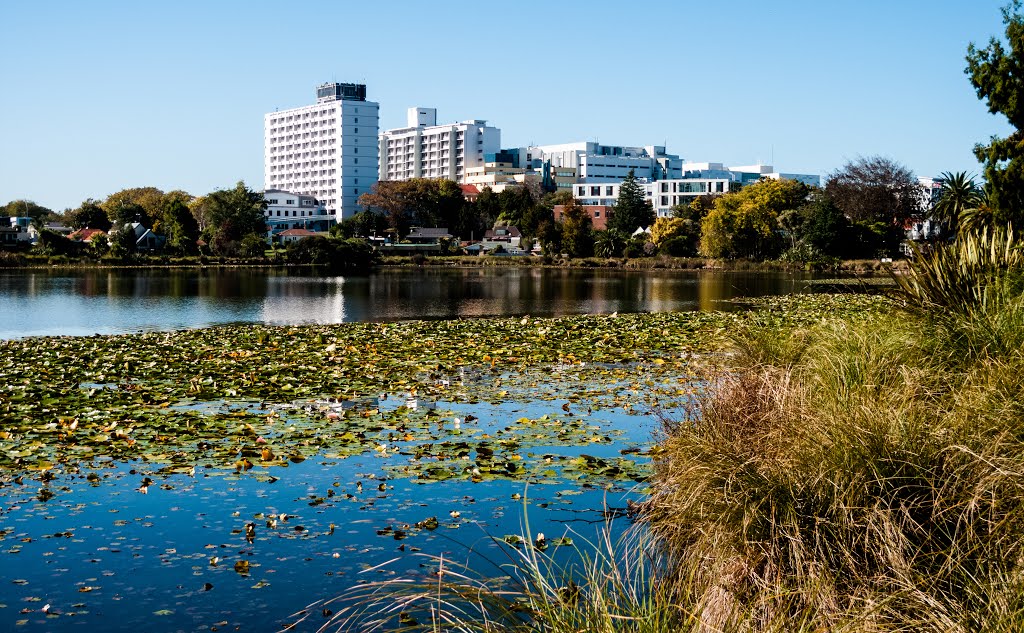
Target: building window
595,191
597,214
608,191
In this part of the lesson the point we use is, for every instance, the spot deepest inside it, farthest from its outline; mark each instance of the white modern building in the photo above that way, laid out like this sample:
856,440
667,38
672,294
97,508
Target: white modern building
698,179
287,210
327,150
424,149
594,162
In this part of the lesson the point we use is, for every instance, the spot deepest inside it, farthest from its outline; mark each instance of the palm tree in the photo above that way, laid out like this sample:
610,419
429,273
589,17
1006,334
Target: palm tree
958,195
978,216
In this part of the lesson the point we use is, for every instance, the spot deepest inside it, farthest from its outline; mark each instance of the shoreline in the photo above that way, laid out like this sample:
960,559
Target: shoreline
411,262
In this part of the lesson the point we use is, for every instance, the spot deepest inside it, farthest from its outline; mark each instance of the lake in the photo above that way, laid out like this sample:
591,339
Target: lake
190,537
85,302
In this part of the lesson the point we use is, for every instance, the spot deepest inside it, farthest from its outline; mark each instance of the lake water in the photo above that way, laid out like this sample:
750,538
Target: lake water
92,546
47,303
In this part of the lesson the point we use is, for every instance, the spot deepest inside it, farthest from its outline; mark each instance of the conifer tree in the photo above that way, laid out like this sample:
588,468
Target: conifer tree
632,209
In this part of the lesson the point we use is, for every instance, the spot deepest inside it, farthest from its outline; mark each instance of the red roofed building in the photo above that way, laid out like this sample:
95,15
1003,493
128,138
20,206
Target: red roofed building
470,192
294,235
85,235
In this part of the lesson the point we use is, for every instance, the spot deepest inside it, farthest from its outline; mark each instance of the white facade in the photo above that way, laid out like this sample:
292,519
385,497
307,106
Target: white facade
424,149
327,150
699,179
594,162
286,210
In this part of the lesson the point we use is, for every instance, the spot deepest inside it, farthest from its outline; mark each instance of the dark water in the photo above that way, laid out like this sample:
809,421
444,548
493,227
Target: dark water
43,303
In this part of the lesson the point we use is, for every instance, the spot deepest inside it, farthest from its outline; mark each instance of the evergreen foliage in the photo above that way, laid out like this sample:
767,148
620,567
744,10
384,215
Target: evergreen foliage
997,74
632,209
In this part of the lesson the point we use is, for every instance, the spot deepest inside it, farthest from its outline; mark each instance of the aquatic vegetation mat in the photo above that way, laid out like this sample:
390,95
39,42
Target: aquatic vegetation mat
207,478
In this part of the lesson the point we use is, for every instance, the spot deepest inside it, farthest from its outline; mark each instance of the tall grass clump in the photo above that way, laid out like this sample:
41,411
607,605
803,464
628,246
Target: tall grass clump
603,586
865,476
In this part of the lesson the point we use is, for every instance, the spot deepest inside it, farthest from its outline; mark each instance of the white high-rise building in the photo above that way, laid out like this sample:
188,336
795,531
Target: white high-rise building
424,149
327,150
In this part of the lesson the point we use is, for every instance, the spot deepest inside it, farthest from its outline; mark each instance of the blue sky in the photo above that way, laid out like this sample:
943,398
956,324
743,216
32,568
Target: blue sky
98,96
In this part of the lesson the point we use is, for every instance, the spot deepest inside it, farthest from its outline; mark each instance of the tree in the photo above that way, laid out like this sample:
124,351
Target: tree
179,226
136,204
232,215
746,223
27,209
997,74
632,209
577,230
89,215
958,194
486,207
875,189
609,243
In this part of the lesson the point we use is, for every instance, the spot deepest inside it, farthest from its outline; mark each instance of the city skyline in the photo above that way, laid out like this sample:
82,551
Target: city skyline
115,95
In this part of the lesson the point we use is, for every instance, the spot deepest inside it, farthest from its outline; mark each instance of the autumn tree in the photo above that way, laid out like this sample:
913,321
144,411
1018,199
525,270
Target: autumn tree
746,223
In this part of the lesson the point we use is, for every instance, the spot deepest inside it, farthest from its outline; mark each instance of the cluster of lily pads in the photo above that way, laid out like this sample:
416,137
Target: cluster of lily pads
258,397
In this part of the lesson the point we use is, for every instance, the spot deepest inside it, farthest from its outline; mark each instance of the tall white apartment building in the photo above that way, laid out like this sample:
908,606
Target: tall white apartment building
424,149
327,150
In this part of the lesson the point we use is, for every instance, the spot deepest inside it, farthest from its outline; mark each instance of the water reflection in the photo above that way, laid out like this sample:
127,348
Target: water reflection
116,301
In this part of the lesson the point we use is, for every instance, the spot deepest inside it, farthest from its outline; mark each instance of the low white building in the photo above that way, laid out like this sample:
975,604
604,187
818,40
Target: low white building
286,210
600,163
699,179
424,149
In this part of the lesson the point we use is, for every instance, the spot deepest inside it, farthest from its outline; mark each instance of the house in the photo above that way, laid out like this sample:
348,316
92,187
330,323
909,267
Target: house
85,235
428,236
470,192
507,237
294,235
9,235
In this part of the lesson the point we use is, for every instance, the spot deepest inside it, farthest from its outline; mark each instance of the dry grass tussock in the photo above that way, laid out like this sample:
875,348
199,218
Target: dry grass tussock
859,477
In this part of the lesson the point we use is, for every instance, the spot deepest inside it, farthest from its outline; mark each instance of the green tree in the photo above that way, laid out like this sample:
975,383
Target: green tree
231,216
746,223
136,204
515,204
27,209
609,243
486,208
179,226
632,209
997,74
958,194
89,215
875,189
577,230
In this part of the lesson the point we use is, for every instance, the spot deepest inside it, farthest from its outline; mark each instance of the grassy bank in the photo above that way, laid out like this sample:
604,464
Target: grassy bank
862,477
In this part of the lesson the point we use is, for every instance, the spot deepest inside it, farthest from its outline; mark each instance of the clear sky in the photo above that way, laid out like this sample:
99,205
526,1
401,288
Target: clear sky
98,96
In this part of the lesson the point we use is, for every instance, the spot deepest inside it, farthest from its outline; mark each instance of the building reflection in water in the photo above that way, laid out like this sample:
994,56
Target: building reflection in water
304,300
